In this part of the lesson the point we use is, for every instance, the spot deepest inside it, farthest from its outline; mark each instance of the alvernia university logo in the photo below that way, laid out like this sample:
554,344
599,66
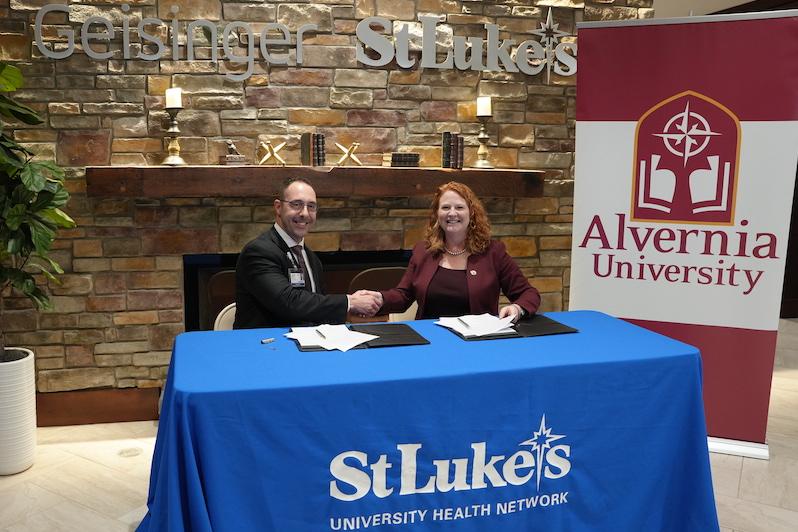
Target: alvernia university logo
687,152
543,456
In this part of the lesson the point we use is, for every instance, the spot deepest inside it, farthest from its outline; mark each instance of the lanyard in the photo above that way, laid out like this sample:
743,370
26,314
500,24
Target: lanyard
292,258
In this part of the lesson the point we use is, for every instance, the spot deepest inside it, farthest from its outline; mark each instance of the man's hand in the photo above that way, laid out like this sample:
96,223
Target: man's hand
365,303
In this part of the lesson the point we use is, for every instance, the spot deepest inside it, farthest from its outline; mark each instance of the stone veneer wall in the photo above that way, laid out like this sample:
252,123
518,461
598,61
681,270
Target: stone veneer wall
120,304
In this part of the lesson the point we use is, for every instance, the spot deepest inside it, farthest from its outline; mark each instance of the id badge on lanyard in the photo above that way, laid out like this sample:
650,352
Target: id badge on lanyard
296,278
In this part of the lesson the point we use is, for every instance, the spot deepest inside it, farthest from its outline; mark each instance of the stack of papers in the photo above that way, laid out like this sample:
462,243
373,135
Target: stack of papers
473,326
329,337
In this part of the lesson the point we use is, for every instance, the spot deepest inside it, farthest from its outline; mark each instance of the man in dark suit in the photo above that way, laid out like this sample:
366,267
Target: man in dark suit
278,278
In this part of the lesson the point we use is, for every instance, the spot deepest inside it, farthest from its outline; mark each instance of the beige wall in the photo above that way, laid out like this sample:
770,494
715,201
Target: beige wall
683,8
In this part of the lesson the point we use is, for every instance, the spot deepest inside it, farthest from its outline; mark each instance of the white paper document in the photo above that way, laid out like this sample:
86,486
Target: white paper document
306,336
329,337
471,325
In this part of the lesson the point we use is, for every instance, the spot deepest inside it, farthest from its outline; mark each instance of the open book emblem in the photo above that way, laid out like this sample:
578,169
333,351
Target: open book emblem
687,151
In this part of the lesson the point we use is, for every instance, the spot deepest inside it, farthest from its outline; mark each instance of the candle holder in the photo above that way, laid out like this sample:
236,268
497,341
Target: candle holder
483,138
174,158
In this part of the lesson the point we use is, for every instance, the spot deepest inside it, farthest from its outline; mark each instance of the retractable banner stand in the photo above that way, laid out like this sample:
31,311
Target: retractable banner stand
686,152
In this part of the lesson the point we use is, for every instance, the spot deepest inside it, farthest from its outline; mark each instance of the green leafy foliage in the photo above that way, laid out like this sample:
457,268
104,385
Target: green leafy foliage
31,196
10,78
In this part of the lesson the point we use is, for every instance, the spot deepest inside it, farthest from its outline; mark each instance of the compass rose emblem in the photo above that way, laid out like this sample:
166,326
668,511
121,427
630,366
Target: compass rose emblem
549,32
686,134
541,441
687,154
550,35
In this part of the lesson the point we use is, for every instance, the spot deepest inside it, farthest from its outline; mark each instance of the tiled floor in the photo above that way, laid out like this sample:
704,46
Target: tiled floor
94,477
757,495
86,478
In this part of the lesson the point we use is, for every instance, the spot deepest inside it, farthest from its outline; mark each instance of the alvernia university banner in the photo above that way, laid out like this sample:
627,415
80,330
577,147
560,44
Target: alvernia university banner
686,151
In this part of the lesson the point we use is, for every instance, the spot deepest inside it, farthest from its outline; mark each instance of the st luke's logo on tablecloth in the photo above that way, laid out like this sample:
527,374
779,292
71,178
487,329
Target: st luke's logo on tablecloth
541,460
687,151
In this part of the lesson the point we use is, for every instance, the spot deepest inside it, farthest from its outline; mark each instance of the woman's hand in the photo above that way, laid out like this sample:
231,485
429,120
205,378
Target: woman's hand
511,310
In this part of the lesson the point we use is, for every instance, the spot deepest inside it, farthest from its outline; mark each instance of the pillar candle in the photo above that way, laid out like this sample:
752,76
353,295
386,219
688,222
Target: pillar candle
484,106
174,98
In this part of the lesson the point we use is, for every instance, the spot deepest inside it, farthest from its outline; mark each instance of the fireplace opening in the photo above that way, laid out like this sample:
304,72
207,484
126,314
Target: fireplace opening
209,279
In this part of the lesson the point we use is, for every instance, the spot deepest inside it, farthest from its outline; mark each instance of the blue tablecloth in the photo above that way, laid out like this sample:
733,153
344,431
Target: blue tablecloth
267,438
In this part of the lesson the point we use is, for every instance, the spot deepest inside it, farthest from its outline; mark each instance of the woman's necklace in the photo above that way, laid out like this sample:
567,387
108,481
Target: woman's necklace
454,253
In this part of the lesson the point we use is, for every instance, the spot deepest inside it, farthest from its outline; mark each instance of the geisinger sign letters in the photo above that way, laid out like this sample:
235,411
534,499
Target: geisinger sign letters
373,48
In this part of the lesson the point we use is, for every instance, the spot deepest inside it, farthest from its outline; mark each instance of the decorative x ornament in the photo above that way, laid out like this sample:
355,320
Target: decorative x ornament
349,153
271,151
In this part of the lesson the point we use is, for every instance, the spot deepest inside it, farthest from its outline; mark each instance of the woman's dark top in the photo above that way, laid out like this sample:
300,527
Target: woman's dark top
447,294
490,273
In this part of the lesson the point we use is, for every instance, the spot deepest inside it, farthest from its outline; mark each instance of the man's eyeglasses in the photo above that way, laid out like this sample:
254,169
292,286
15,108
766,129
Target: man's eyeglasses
298,205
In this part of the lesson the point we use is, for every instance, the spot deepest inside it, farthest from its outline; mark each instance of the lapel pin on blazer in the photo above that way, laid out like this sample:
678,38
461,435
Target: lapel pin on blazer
473,272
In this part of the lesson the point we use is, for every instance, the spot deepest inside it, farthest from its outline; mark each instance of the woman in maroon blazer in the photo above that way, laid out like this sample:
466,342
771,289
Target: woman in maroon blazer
458,269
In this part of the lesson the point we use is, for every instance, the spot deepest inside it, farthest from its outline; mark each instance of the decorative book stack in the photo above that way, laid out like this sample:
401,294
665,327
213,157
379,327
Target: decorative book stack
319,154
311,146
446,150
401,159
452,150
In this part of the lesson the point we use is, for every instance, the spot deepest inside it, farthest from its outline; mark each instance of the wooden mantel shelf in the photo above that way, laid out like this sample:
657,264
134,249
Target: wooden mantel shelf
263,181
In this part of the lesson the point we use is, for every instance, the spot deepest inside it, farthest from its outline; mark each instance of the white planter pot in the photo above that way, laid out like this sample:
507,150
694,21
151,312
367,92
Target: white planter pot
17,413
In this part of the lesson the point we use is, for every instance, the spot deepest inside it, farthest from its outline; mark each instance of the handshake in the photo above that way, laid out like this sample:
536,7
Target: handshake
365,303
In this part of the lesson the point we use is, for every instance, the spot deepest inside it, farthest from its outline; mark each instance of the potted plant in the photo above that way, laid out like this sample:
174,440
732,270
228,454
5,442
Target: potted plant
31,196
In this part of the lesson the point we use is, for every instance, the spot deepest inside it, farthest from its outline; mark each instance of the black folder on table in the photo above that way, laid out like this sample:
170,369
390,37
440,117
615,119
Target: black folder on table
535,325
390,335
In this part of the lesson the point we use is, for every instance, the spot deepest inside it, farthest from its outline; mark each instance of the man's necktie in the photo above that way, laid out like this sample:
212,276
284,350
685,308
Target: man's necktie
297,252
